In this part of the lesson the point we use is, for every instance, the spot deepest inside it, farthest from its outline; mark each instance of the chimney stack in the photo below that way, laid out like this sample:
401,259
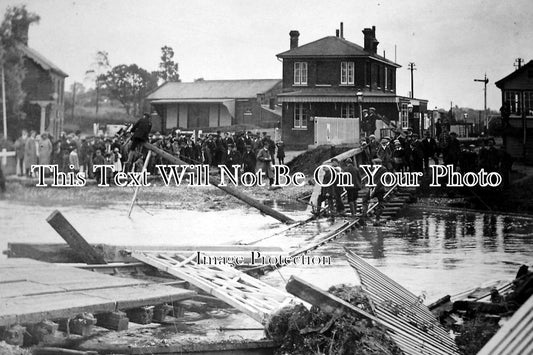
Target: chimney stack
342,30
337,33
294,38
371,43
20,30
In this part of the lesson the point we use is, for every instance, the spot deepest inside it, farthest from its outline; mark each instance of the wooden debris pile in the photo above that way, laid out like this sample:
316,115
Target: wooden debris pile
478,316
303,331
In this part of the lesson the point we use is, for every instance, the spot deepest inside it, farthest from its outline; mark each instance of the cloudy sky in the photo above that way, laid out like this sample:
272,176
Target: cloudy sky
452,42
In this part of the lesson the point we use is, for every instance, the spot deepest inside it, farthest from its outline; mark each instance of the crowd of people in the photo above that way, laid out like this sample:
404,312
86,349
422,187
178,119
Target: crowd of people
72,152
407,152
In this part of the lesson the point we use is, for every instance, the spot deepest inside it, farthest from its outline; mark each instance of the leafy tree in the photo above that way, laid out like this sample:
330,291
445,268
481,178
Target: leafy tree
168,68
129,84
13,33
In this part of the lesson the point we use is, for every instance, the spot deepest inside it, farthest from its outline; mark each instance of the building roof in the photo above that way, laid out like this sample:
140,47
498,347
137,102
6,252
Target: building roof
214,89
517,72
333,46
41,60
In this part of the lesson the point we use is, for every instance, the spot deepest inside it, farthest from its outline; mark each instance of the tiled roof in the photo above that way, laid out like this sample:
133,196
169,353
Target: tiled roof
332,46
214,89
41,60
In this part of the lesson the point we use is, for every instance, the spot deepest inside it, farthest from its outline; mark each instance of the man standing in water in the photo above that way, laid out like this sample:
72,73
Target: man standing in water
353,190
378,192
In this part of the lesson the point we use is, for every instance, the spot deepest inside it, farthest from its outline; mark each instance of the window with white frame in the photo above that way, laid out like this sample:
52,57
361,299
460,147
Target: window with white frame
300,73
404,116
347,73
300,119
348,110
514,100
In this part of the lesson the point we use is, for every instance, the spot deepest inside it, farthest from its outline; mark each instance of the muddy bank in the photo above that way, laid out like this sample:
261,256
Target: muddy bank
200,198
308,161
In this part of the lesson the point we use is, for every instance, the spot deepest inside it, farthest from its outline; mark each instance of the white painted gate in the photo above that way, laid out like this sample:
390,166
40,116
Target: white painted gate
336,130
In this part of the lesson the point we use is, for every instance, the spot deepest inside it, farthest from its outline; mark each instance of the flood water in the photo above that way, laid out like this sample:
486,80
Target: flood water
437,253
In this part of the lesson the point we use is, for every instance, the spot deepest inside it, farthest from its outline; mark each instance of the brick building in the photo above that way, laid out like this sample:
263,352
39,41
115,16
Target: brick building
212,104
517,95
44,86
322,79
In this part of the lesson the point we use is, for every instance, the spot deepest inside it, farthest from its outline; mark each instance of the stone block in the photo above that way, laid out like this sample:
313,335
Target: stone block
113,320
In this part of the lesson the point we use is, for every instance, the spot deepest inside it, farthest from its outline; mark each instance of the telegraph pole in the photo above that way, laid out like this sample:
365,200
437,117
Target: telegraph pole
4,113
411,67
73,98
485,81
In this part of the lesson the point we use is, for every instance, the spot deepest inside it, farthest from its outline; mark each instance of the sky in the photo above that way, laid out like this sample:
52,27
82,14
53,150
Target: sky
451,42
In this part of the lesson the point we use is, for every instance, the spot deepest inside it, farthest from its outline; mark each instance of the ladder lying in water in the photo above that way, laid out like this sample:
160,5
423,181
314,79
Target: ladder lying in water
247,294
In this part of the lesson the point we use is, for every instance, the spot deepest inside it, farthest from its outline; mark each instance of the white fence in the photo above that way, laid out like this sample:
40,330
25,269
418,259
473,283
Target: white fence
336,130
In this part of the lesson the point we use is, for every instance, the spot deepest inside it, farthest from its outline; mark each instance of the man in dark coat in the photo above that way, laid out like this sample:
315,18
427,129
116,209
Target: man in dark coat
249,160
429,147
140,131
352,191
233,157
453,151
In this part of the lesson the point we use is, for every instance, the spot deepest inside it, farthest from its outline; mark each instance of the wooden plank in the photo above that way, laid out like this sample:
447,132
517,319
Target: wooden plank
62,253
45,291
145,165
325,301
142,295
74,239
30,309
33,309
26,288
229,190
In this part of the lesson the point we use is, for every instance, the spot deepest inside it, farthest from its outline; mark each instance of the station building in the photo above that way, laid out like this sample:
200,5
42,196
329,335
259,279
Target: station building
329,83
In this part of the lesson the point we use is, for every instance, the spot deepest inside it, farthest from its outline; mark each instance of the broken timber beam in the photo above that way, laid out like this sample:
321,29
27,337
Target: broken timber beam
327,302
233,192
74,239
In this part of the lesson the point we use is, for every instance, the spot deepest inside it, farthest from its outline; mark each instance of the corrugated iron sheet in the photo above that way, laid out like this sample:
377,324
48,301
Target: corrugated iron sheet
516,336
410,323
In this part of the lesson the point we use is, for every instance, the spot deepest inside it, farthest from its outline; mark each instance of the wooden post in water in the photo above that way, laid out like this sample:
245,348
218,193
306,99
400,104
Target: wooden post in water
233,192
145,166
74,239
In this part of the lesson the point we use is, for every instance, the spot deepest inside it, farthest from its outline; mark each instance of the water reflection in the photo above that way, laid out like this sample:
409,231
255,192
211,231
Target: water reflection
442,252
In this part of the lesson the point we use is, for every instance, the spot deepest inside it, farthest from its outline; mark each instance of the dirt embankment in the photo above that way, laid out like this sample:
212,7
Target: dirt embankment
308,161
186,197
